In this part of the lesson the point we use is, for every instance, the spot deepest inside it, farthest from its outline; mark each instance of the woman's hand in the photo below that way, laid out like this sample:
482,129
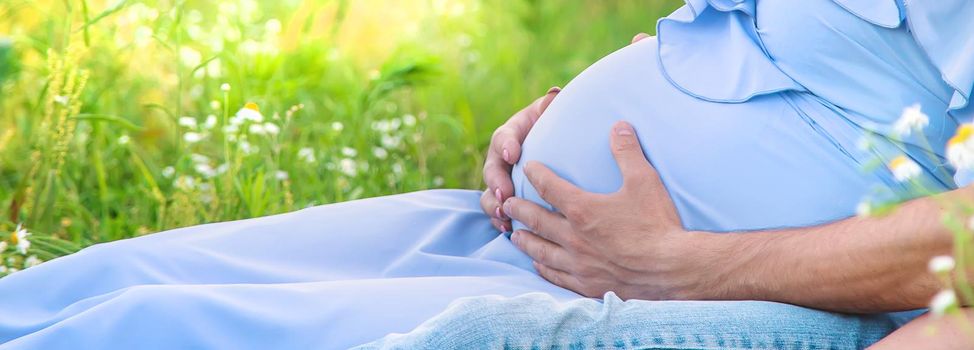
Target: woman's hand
631,242
503,152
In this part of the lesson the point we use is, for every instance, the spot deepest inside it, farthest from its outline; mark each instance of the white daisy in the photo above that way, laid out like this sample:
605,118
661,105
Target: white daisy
281,175
348,167
271,128
306,154
337,126
960,148
409,120
188,122
942,302
912,119
380,152
199,158
225,87
251,112
32,261
20,241
192,137
941,264
168,172
124,139
904,169
3,246
210,122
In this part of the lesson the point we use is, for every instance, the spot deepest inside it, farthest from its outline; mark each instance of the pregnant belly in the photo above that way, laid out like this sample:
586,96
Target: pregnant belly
753,165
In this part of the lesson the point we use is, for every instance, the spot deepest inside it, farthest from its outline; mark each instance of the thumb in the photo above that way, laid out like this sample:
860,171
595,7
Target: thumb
633,165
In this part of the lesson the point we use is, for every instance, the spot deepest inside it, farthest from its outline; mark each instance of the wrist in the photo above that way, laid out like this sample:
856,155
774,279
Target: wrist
724,264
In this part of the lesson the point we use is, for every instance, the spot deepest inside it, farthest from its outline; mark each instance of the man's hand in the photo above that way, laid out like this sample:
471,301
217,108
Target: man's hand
630,242
503,152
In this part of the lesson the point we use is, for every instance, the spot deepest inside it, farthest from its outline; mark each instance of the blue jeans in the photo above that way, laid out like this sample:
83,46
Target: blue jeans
538,321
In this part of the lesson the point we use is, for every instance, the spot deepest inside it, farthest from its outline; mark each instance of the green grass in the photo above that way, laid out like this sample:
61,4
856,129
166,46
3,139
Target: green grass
388,96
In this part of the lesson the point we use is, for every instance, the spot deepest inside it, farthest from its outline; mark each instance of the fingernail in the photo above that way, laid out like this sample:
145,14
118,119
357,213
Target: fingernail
507,206
497,212
507,155
553,89
497,194
504,228
623,129
515,236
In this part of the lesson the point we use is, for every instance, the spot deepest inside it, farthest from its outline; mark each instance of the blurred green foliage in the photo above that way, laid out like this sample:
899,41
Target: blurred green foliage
113,122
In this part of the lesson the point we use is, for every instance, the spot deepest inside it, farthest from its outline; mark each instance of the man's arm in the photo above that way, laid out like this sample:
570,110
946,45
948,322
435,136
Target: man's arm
633,243
854,265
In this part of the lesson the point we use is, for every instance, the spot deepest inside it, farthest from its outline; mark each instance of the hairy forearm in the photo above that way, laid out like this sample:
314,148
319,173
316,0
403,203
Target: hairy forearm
854,265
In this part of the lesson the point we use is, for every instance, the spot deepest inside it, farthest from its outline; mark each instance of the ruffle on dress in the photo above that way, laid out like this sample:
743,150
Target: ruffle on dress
711,49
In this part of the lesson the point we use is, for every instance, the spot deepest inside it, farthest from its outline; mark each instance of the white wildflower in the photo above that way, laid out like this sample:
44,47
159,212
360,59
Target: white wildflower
185,183
257,129
942,302
864,209
168,172
61,100
438,181
349,152
904,169
251,112
348,167
281,175
205,170
306,154
3,270
12,270
192,137
941,264
215,105
210,122
960,148
247,148
190,57
380,152
199,158
409,120
32,261
337,126
271,128
222,168
188,122
912,119
225,87
124,140
3,246
231,129
19,237
389,141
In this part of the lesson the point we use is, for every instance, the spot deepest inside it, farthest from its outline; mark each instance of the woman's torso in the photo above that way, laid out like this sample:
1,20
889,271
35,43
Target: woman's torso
777,159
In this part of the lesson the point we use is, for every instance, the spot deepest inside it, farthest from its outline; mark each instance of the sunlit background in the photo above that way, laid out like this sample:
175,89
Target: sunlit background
123,118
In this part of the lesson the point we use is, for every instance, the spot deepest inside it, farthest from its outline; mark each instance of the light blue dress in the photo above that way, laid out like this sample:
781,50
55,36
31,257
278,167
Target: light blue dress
750,110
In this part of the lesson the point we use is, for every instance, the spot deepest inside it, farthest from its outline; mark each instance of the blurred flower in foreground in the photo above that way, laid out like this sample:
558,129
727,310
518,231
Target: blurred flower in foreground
19,239
960,148
251,112
32,261
307,154
941,264
281,175
3,246
225,87
864,209
904,169
944,301
912,119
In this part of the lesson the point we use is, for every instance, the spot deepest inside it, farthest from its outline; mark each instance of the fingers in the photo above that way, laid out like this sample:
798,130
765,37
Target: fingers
541,250
633,165
639,37
497,176
560,278
552,188
510,136
492,207
543,222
